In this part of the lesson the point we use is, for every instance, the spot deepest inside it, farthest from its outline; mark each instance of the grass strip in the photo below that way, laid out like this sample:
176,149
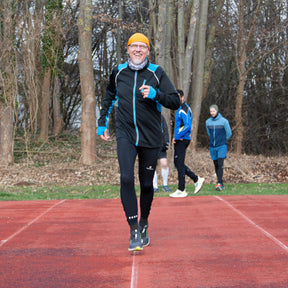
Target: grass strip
113,192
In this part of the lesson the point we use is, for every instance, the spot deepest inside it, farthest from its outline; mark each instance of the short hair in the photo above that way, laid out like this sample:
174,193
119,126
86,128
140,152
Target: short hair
180,92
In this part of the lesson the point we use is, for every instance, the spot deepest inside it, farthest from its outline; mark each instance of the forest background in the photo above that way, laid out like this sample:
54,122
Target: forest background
56,58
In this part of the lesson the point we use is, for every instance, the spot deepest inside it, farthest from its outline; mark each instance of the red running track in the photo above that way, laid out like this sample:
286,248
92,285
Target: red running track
202,241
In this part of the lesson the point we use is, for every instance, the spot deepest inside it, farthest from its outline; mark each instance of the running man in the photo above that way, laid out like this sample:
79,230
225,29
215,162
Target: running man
140,89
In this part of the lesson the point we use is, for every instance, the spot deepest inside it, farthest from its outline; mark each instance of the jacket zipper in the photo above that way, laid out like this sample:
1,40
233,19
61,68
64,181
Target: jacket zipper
134,109
214,135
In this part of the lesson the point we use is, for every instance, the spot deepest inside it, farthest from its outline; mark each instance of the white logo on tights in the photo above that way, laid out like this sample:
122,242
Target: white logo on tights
149,168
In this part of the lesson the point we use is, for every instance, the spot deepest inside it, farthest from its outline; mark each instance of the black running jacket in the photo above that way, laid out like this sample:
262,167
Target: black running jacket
138,119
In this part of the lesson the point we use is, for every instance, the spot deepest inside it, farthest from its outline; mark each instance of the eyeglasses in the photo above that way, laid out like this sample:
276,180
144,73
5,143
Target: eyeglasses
140,47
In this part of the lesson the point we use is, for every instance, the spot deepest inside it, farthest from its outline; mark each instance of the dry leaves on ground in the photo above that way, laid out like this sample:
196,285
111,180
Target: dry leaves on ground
66,169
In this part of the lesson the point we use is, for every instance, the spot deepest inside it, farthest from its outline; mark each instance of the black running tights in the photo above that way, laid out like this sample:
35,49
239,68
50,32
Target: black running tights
218,164
179,159
147,160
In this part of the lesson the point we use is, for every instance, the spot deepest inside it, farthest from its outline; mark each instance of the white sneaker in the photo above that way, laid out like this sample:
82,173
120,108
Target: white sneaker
179,194
199,185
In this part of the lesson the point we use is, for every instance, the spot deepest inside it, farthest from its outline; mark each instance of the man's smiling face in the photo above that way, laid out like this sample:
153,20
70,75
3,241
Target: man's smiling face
137,52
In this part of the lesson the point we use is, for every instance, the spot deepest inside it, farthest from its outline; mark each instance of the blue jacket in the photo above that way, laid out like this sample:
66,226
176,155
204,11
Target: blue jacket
219,130
183,122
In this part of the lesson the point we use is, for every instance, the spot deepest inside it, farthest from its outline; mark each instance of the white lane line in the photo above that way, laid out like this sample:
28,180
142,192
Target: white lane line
278,242
30,223
134,274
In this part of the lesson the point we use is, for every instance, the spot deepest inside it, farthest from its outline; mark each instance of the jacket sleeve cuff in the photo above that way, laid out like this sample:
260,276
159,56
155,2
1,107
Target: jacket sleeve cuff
101,130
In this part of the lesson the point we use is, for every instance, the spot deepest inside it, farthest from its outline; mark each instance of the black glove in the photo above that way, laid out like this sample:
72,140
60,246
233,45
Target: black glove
165,147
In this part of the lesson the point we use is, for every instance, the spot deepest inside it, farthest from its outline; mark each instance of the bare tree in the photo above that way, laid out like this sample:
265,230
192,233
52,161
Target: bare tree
8,83
240,56
119,31
30,55
88,119
52,62
189,47
199,61
245,35
159,32
162,41
208,66
44,118
181,43
58,122
174,40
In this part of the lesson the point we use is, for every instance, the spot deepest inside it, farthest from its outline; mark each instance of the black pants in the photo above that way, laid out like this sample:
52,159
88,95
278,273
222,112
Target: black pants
147,160
218,164
179,160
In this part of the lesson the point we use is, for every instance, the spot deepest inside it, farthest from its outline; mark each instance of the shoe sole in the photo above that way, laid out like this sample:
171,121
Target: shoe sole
145,245
200,188
138,248
196,192
182,196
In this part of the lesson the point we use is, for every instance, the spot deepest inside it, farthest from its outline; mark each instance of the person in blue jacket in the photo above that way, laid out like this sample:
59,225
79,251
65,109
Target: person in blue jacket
219,132
140,89
182,131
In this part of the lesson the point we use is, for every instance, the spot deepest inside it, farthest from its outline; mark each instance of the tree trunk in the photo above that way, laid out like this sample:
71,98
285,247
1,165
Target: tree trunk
240,60
199,72
162,45
119,31
8,84
32,64
88,118
238,115
181,44
160,36
209,49
44,118
152,21
189,48
168,66
6,135
58,123
39,15
168,42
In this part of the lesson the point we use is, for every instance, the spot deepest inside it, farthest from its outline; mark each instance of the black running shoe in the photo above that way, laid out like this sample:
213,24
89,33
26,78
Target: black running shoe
135,241
145,240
